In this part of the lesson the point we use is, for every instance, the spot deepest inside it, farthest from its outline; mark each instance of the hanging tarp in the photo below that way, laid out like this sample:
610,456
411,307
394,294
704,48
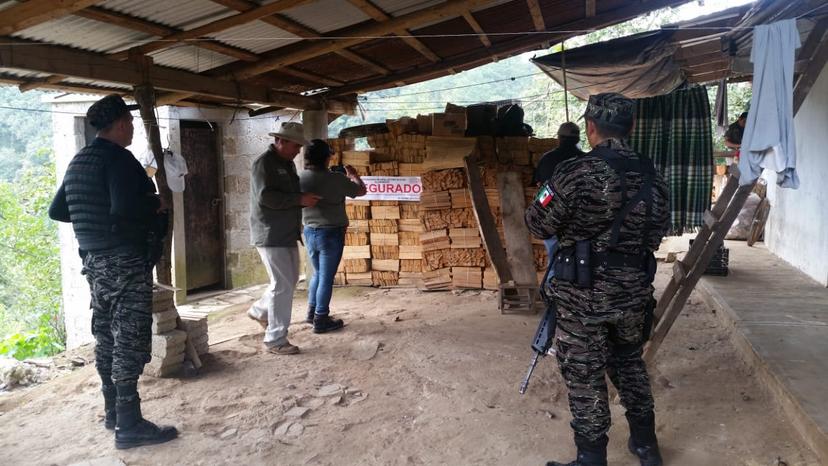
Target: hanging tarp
637,66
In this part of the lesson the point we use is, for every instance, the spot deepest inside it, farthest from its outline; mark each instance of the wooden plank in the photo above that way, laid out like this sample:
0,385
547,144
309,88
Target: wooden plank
537,15
679,272
300,30
25,15
481,34
524,43
158,29
709,219
809,76
447,152
519,251
380,16
210,28
356,252
486,223
697,269
359,35
79,64
589,8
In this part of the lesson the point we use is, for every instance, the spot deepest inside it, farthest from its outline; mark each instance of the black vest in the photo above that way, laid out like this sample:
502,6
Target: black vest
88,200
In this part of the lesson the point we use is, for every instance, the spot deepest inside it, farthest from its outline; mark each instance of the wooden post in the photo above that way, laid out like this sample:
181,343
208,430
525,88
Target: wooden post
145,97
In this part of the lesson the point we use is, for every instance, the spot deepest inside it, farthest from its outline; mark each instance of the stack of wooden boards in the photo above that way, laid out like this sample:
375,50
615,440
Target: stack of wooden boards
434,243
169,335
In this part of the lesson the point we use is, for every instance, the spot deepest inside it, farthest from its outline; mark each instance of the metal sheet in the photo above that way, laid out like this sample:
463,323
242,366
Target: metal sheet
190,58
258,37
327,15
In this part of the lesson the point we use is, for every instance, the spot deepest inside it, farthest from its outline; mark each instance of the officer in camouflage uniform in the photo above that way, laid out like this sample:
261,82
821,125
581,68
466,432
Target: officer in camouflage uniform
112,206
609,211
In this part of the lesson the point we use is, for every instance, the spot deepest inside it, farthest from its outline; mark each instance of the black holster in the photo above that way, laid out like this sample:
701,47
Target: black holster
155,237
574,264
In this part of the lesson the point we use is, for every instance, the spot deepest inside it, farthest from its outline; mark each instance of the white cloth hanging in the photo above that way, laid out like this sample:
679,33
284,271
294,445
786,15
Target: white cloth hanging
768,141
176,168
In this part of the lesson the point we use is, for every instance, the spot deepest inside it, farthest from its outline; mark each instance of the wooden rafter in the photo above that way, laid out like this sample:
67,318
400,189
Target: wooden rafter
87,65
358,35
160,30
537,15
818,46
300,30
589,8
380,16
36,83
520,44
481,34
211,28
34,12
63,87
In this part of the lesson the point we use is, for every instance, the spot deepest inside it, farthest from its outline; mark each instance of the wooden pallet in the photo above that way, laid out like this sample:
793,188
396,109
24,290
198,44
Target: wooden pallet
688,271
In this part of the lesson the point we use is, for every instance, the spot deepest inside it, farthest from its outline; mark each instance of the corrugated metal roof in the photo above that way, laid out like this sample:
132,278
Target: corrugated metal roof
402,7
182,14
22,74
190,58
89,82
327,15
257,37
83,33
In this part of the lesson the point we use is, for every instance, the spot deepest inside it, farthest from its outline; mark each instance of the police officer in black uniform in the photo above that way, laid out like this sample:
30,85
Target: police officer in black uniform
113,208
609,210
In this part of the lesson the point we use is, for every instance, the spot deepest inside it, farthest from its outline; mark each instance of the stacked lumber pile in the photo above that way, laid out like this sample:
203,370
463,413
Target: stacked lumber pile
168,343
453,256
339,146
434,242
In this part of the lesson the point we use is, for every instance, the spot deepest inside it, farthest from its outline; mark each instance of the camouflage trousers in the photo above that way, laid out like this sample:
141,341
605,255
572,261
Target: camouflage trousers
590,346
121,288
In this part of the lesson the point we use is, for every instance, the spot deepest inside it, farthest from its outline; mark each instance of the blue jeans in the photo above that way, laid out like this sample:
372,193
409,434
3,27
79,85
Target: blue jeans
324,247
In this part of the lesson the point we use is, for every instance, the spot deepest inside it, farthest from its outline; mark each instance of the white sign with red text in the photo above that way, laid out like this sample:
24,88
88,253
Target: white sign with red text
392,188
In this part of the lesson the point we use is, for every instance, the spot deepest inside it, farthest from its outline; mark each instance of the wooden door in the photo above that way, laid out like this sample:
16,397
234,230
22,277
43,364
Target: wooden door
203,206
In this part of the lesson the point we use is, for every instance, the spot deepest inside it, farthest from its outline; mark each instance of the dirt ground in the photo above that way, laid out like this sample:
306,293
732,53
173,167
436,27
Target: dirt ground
414,379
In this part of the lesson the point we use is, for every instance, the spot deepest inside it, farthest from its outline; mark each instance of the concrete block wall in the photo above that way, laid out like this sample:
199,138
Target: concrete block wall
797,228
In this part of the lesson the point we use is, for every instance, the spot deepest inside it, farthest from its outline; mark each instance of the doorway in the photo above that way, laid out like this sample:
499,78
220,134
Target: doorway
203,206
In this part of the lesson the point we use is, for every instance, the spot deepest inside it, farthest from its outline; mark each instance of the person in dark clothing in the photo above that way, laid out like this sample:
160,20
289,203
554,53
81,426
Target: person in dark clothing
112,205
568,137
609,208
733,135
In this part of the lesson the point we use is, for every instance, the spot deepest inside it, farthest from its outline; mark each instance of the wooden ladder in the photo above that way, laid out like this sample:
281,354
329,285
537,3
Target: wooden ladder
688,271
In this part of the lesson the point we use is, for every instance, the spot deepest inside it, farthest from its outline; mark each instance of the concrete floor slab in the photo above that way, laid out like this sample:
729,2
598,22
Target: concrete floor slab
780,322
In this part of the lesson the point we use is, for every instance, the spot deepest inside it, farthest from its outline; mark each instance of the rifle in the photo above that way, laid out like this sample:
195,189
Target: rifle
545,334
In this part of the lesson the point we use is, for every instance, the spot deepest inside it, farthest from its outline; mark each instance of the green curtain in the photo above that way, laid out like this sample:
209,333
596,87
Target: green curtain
674,131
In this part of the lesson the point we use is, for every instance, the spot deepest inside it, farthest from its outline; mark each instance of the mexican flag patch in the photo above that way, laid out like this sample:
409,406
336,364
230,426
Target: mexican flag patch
545,195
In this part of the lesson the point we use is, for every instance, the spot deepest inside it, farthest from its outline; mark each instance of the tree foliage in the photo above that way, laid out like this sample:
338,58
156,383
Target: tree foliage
31,320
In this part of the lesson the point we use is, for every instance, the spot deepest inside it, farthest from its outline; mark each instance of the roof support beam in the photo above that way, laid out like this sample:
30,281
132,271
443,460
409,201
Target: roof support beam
300,30
502,49
537,15
380,16
210,28
816,42
589,8
28,86
481,34
449,9
160,30
34,12
63,87
75,63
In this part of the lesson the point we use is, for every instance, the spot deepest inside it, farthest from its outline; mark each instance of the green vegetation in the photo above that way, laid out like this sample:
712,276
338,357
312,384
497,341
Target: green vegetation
31,319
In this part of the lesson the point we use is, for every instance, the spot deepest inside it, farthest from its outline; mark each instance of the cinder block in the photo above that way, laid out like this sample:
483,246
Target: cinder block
168,352
168,340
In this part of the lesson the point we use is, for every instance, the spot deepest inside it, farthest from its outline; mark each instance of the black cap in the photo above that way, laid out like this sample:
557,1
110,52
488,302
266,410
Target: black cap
743,115
107,110
611,108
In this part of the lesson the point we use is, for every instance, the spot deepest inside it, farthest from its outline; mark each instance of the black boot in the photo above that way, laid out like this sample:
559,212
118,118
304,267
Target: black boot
643,442
109,394
132,429
310,315
589,453
324,324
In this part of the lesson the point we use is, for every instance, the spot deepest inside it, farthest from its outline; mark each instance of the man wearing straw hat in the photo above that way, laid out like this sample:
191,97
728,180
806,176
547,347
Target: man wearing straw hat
276,203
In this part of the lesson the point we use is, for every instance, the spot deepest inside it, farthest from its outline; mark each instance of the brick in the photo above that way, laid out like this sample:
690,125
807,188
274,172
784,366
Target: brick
159,328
